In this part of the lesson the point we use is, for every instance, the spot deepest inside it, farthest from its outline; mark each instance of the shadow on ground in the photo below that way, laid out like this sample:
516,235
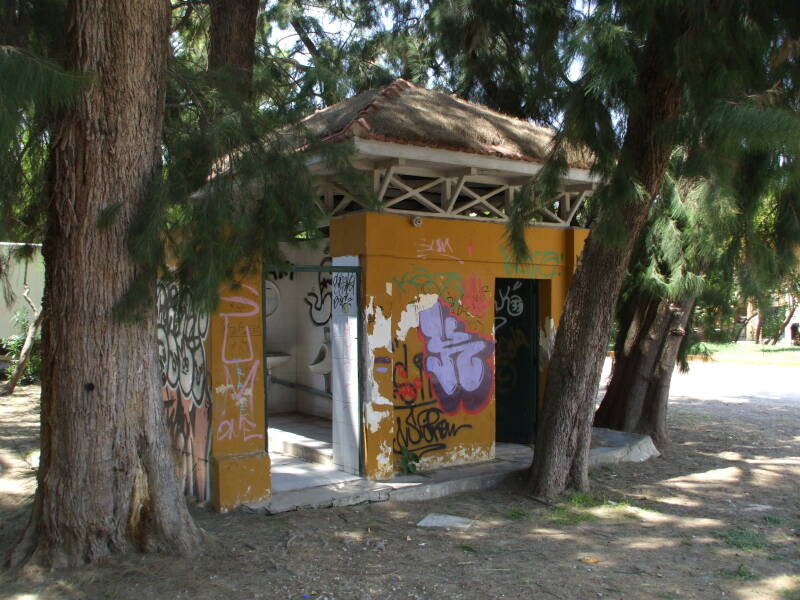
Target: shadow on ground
716,516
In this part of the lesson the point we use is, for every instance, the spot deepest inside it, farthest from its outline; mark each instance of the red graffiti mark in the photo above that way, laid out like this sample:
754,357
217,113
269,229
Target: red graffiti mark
476,298
405,389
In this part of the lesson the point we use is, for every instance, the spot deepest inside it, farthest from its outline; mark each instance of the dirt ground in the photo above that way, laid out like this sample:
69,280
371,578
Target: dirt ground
718,516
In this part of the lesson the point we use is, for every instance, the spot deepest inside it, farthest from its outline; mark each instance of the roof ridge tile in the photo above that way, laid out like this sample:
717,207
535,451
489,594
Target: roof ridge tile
391,90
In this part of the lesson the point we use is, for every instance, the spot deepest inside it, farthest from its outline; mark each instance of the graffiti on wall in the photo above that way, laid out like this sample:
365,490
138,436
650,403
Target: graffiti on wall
425,281
241,366
181,335
343,291
320,298
476,297
507,302
544,264
436,248
420,425
459,361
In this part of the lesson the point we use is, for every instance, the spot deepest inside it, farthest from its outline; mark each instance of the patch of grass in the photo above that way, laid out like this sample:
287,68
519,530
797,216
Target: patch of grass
740,572
780,557
467,548
790,594
566,515
772,520
757,351
669,595
586,500
517,514
744,539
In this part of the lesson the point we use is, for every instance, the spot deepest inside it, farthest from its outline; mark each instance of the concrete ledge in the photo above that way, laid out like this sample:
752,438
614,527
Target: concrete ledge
610,447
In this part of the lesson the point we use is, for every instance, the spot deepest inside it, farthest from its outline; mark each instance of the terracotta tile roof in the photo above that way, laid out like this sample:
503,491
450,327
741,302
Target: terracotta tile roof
405,113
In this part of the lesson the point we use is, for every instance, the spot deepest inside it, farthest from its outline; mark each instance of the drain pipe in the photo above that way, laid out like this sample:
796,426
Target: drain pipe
301,387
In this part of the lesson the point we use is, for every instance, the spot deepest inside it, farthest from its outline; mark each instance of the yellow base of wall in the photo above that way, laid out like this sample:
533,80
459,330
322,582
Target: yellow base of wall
239,479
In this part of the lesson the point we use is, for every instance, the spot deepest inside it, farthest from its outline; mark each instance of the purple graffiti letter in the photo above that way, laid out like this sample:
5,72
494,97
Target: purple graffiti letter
458,361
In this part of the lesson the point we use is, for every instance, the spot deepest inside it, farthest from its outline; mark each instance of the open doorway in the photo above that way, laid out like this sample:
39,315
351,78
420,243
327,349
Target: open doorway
516,366
312,380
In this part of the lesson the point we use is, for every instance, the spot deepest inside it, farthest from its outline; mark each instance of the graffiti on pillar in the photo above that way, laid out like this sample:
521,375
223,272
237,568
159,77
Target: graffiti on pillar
181,335
344,291
459,361
241,366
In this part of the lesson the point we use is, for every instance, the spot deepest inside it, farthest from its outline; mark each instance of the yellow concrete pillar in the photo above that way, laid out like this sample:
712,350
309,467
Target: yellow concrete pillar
240,468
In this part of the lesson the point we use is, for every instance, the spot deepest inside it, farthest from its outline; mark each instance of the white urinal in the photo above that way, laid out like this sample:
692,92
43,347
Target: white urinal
321,365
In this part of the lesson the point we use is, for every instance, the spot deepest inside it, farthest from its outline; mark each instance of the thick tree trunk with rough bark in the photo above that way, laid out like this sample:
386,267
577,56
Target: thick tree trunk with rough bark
232,42
106,479
637,395
562,445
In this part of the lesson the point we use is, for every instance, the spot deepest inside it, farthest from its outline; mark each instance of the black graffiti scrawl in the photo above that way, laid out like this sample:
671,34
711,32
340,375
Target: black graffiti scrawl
181,335
420,425
320,298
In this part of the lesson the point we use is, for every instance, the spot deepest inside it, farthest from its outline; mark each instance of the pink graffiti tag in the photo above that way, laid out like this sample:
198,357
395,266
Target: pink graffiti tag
436,248
459,361
476,299
241,369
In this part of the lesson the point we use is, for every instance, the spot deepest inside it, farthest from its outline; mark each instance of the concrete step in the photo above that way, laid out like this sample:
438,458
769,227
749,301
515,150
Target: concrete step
292,444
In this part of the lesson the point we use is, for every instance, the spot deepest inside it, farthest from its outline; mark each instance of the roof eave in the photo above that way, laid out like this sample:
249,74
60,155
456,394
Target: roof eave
378,150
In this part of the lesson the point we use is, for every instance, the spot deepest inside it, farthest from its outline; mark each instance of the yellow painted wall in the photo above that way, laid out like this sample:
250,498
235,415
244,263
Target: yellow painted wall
446,271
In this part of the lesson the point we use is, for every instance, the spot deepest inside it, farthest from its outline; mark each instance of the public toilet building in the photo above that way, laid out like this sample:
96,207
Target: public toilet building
408,330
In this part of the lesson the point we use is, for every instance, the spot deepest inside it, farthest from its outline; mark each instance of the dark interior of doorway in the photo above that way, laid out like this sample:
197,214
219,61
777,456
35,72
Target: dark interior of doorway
516,365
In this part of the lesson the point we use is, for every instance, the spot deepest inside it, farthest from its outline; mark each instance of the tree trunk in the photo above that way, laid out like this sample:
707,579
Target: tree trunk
786,322
561,457
231,50
637,395
759,326
106,479
27,346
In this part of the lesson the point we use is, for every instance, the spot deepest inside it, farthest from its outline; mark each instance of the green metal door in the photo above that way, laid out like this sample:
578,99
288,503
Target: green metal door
516,369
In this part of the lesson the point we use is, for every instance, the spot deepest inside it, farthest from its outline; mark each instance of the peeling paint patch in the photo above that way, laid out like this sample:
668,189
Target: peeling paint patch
385,462
409,318
381,336
378,408
388,288
457,455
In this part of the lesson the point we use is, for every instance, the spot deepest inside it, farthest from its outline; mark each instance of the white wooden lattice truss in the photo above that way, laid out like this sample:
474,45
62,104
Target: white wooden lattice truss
435,183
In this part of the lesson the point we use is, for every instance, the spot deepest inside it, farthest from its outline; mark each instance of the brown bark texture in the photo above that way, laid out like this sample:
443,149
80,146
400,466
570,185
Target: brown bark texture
637,396
563,440
232,42
106,478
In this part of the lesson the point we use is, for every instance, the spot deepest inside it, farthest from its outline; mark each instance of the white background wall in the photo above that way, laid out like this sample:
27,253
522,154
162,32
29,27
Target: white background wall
35,278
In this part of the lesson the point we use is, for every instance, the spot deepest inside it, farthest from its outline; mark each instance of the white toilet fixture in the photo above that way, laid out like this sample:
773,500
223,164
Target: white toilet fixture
321,365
